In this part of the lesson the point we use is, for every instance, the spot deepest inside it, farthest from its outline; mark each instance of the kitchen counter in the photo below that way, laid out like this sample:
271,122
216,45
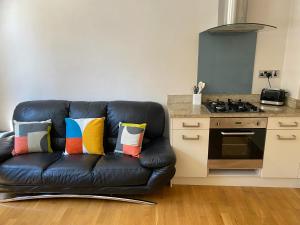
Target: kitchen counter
186,109
190,138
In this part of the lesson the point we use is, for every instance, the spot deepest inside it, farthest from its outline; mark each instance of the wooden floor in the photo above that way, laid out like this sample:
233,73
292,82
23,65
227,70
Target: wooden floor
180,205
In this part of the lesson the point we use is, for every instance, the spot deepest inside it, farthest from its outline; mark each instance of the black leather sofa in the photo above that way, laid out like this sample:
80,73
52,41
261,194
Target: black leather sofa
112,174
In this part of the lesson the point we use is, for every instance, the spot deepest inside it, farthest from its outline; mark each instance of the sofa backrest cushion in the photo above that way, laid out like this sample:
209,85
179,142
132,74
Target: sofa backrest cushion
43,110
136,112
116,111
80,109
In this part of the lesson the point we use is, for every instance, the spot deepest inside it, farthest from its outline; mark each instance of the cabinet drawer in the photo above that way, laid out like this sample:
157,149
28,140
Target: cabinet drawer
284,123
191,148
282,154
191,123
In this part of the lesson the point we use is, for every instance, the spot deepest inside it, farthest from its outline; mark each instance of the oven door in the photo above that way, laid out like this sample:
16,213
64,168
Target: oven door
243,147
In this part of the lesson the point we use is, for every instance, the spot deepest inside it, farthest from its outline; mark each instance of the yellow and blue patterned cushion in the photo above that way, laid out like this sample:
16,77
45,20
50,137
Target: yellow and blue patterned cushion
130,138
84,136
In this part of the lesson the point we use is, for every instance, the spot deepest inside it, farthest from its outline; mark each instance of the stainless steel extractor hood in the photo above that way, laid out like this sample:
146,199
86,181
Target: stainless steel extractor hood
233,18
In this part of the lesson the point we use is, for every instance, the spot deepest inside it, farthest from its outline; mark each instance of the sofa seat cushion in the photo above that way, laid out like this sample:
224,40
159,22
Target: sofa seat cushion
115,169
26,169
71,170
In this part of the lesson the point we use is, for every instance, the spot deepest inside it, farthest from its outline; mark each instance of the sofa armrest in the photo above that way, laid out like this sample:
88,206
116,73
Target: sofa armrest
158,153
6,146
7,134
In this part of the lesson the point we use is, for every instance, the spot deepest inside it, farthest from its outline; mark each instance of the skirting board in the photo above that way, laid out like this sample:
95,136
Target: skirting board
238,181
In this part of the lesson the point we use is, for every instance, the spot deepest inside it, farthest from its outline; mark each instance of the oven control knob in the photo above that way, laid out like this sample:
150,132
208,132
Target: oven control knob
218,124
257,123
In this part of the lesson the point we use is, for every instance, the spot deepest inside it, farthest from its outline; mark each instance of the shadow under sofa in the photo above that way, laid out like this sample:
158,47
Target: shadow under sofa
111,174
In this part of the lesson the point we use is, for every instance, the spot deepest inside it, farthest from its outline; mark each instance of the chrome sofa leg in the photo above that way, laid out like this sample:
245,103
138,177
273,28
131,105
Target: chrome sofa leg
4,198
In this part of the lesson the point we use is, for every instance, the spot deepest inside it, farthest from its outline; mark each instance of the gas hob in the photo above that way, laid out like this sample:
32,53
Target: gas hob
231,106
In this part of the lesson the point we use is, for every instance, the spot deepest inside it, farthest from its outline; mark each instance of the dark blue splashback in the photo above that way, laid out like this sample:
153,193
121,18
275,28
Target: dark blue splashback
226,61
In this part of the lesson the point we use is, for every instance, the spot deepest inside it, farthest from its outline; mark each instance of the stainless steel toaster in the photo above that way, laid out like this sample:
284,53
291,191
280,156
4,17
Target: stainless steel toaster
270,96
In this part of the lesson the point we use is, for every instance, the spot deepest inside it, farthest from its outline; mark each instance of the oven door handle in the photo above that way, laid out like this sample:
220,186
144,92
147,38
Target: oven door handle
237,133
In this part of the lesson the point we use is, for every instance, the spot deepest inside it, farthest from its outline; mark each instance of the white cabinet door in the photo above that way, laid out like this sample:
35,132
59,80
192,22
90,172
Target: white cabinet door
282,154
191,148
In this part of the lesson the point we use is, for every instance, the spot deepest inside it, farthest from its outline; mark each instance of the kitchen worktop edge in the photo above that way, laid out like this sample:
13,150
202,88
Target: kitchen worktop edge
188,110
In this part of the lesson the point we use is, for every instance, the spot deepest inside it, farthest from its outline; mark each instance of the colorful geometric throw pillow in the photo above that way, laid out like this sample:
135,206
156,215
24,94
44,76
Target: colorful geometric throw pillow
130,138
84,136
32,137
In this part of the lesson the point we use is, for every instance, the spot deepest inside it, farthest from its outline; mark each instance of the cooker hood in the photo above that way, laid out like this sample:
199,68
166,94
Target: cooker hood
233,18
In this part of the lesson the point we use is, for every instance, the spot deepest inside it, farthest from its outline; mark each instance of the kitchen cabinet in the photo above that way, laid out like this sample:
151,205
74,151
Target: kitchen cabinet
282,148
284,123
191,124
189,139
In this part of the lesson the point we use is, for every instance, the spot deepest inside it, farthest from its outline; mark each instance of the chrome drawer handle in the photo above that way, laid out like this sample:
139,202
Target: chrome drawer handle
293,137
191,138
294,124
237,133
190,125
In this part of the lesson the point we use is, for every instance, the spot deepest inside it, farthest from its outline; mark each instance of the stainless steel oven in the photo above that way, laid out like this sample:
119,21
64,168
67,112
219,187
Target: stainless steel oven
236,143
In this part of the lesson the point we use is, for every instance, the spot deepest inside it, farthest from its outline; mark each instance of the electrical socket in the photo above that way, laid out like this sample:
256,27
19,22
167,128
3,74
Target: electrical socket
264,73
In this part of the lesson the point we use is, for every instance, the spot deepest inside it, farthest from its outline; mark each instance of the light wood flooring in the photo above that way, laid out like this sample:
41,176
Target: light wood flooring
180,205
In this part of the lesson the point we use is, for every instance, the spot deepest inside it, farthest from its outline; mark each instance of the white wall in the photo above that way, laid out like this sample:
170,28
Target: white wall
99,49
270,44
121,49
291,70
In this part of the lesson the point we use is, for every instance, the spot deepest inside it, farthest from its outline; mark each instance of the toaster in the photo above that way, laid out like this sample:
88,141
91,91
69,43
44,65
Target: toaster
272,96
